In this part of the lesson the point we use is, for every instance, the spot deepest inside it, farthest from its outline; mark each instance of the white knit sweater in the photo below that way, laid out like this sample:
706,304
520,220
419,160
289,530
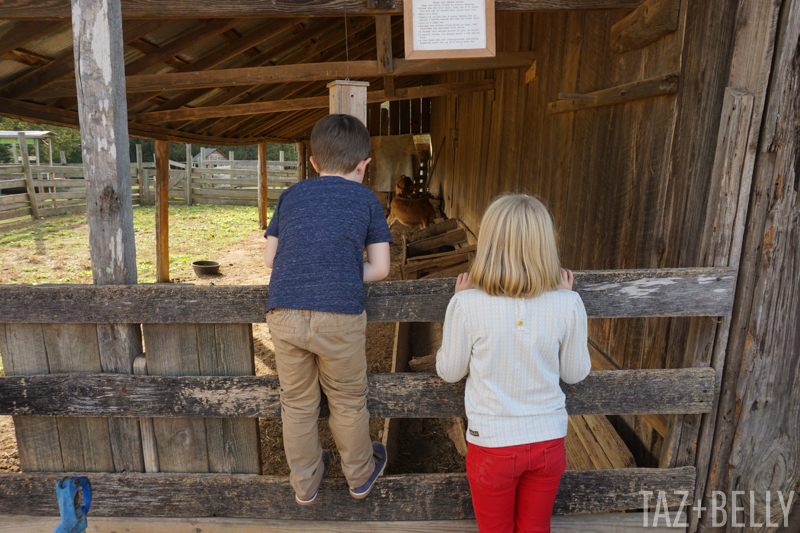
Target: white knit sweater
515,351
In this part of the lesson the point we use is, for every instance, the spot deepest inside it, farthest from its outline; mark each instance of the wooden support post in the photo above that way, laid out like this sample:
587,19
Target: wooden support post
26,169
162,211
262,184
143,182
187,182
230,155
349,97
281,158
103,117
383,36
301,161
149,449
202,162
312,172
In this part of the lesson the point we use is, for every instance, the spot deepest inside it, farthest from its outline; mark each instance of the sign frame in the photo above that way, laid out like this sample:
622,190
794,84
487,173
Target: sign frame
411,53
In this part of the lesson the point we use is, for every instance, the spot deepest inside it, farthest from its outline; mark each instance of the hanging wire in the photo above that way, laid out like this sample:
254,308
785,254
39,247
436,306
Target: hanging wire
346,46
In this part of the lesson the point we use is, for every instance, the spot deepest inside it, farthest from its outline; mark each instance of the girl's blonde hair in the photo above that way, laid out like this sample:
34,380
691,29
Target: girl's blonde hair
517,254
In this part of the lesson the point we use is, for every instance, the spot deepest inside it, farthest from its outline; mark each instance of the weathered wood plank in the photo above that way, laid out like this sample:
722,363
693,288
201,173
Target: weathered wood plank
233,443
262,185
23,351
400,356
149,449
398,395
605,293
602,523
172,350
406,497
657,86
85,442
648,23
28,9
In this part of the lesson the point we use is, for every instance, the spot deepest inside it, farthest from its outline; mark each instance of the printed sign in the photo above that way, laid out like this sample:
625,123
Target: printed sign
441,29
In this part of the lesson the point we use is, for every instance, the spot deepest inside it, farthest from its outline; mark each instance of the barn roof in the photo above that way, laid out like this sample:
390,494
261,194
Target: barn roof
226,80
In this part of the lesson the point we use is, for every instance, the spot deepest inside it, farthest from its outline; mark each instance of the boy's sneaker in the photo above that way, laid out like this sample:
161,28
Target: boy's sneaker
326,460
379,452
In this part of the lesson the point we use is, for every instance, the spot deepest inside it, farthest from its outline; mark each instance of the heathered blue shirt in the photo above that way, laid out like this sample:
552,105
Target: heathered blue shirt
322,225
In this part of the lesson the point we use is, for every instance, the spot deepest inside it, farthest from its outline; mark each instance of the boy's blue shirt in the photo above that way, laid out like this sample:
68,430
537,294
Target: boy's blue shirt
322,225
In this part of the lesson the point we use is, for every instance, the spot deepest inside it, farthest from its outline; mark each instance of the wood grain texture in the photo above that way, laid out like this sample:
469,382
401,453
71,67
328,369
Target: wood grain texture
149,449
657,86
398,395
172,350
400,358
252,8
405,497
235,77
648,23
611,293
605,523
23,351
86,442
262,185
233,443
759,404
162,211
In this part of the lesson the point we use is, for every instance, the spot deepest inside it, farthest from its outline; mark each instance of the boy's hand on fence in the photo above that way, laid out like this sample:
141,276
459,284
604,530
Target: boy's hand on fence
566,279
463,283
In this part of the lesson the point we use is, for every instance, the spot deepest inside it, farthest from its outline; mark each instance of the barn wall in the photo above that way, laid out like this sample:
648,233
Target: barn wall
623,190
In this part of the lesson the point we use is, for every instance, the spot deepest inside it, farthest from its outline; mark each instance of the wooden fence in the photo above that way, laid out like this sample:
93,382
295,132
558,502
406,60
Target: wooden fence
61,189
198,405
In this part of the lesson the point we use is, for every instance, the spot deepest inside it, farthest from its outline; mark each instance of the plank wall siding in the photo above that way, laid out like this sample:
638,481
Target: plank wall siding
620,196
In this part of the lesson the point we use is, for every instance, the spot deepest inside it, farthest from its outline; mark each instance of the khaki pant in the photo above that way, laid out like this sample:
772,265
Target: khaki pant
313,349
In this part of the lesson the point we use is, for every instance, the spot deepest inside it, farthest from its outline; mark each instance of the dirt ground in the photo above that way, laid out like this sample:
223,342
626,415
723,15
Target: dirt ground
424,447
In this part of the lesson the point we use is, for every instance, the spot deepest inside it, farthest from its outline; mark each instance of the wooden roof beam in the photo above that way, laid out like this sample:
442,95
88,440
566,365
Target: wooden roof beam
266,56
333,44
299,55
193,9
383,36
302,72
40,114
248,41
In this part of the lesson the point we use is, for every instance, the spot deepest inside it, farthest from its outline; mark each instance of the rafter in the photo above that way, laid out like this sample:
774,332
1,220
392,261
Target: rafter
65,63
25,32
332,44
248,41
267,56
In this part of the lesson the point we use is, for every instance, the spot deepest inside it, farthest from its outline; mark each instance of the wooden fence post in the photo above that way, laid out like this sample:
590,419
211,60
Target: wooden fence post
262,184
14,153
312,172
143,184
187,182
162,211
103,115
301,161
26,168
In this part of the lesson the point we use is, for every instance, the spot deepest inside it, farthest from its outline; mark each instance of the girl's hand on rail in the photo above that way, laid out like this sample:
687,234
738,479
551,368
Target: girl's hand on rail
566,279
463,282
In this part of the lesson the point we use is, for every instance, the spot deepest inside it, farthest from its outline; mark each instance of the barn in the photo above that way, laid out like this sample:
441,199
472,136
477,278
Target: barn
663,135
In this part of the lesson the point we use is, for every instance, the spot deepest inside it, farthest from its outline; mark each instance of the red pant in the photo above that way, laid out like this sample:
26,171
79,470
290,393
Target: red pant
514,488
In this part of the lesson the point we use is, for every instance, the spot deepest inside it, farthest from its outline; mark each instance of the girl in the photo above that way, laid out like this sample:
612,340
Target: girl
516,334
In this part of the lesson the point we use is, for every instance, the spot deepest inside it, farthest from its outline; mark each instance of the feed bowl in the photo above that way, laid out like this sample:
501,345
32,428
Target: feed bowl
205,268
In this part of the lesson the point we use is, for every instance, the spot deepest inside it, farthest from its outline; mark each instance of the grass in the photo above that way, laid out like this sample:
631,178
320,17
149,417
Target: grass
56,249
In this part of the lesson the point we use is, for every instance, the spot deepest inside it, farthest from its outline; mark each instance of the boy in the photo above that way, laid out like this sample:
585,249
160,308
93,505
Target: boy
316,317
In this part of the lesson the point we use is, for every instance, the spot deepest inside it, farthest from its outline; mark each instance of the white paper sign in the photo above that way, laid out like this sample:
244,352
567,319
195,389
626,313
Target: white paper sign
449,24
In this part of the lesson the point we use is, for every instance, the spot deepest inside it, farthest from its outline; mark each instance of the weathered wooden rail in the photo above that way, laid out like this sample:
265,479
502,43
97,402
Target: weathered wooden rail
201,393
605,293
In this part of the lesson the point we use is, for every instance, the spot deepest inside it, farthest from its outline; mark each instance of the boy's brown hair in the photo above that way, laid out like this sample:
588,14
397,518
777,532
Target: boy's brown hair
339,143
